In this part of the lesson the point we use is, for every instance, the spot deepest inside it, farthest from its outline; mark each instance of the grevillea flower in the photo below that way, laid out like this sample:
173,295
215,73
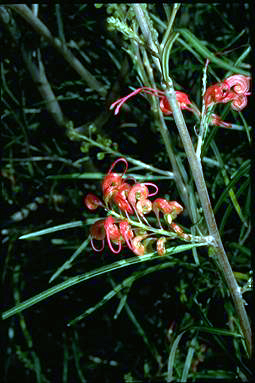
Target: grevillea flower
111,182
144,206
130,199
140,192
92,201
182,99
238,102
239,83
112,233
115,190
170,209
161,249
126,232
216,93
97,232
217,121
122,203
137,246
234,89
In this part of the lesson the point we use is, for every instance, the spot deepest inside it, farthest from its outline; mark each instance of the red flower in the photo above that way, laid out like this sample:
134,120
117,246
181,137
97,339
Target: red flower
233,89
217,121
182,99
216,93
140,191
92,201
111,182
170,209
130,199
137,246
120,198
112,233
126,232
97,232
239,83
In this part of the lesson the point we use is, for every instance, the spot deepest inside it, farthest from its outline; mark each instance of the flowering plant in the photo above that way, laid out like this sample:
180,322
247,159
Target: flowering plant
233,89
122,200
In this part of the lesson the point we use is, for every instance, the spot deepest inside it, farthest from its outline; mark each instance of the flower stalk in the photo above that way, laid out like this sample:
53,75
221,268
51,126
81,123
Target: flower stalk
219,251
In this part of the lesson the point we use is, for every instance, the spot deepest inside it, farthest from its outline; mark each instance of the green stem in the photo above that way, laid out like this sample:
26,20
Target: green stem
219,251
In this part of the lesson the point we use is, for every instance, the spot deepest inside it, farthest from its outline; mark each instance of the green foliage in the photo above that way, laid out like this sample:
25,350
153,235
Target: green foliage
154,318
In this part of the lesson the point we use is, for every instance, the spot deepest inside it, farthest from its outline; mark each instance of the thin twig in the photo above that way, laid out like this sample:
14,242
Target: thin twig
61,47
37,73
74,135
142,21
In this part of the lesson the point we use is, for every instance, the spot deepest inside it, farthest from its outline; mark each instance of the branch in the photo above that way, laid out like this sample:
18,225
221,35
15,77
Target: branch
37,73
219,251
61,47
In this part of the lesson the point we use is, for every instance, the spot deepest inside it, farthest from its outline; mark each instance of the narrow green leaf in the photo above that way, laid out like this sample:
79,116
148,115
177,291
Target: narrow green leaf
207,54
92,274
52,229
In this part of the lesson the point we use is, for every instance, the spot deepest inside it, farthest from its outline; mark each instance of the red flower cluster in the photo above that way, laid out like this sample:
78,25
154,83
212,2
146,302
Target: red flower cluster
234,89
130,199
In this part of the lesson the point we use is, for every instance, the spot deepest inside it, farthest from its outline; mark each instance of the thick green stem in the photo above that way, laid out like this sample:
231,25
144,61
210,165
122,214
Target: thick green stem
219,251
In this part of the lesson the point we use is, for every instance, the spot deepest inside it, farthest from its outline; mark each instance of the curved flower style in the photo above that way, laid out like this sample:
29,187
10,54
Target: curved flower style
131,199
115,190
126,232
113,179
238,102
182,99
112,233
97,232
